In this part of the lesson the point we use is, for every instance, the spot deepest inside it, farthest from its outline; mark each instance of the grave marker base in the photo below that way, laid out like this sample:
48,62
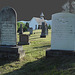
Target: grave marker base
23,43
50,53
11,53
42,36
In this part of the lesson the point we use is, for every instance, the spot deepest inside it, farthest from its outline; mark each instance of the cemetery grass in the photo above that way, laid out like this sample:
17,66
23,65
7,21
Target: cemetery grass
35,61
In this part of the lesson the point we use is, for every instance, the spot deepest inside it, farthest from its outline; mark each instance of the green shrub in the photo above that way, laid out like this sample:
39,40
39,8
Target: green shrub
49,27
25,26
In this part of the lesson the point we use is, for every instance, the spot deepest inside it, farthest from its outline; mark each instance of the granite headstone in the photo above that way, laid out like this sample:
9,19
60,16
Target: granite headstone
63,34
31,30
43,33
8,35
46,29
21,29
23,39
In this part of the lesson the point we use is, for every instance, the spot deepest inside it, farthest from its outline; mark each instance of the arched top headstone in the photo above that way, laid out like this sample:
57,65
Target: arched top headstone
8,26
8,13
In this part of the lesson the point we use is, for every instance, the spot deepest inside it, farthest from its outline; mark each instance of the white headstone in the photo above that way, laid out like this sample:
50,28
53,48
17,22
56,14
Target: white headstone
8,26
63,31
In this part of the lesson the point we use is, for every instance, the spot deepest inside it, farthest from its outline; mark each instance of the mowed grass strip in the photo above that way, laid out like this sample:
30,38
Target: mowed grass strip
35,62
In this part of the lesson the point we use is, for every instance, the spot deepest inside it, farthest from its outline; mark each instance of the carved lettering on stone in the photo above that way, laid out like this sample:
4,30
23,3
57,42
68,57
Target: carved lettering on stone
63,31
8,26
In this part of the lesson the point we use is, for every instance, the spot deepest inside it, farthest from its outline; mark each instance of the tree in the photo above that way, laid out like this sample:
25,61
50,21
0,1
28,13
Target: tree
69,6
18,26
49,27
27,24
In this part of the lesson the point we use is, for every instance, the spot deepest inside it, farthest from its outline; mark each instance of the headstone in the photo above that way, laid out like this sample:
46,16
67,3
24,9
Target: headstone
21,29
31,30
7,27
63,31
46,29
63,34
8,35
23,39
43,33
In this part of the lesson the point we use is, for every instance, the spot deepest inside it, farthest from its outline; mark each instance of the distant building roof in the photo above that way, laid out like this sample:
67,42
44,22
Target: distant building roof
24,21
49,22
39,20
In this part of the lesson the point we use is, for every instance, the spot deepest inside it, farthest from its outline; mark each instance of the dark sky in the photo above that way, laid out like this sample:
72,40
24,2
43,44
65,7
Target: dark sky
26,9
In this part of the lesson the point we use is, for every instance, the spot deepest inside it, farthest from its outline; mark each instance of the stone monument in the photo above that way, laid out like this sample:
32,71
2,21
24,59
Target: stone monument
46,29
31,30
8,35
63,35
63,32
43,33
23,39
21,29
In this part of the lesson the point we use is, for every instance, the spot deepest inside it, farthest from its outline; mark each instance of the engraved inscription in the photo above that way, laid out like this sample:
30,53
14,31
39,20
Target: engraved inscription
62,37
8,33
8,26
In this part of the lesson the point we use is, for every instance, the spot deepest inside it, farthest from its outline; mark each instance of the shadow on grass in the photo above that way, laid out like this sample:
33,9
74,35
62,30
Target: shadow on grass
46,66
5,61
31,68
47,46
34,48
34,38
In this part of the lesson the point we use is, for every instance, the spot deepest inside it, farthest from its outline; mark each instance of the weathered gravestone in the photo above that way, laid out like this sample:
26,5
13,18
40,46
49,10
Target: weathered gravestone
43,33
63,35
46,29
21,29
23,39
31,30
8,35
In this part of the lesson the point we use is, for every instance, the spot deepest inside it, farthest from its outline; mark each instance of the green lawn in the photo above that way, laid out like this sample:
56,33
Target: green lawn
35,62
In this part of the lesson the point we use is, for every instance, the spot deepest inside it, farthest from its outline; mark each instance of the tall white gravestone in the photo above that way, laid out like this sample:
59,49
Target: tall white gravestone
63,34
63,31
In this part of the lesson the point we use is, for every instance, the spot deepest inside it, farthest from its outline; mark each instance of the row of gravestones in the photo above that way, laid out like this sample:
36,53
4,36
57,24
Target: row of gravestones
62,40
43,33
24,38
